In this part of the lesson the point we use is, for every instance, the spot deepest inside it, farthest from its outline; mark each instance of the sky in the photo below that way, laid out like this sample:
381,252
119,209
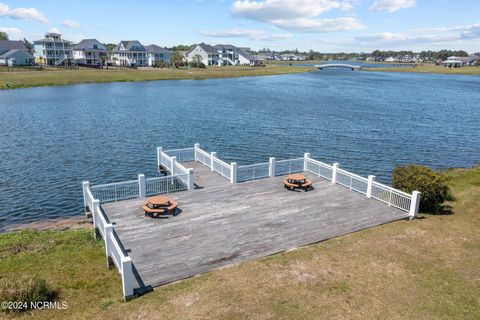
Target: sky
320,25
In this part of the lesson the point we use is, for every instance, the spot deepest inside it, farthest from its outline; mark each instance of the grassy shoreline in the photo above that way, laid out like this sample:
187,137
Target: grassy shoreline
433,69
26,79
423,269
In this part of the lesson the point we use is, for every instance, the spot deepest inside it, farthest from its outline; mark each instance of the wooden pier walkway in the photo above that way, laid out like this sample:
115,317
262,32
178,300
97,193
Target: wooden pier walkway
221,223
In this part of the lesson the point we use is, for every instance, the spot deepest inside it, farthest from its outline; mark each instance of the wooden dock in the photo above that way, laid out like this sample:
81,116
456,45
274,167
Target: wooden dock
221,223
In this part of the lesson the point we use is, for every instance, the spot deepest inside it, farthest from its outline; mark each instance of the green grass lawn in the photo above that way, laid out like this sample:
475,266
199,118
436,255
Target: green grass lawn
428,268
429,68
23,79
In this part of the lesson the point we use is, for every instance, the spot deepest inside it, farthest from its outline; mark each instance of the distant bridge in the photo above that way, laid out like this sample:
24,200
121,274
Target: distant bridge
337,66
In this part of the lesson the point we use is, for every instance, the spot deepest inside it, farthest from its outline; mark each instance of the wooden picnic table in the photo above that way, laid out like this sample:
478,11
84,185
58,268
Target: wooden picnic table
159,205
297,181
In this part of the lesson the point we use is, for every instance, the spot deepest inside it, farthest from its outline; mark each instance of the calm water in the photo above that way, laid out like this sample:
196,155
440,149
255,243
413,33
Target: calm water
53,138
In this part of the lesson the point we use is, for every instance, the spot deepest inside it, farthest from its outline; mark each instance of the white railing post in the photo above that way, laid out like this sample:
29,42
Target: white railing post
306,156
108,243
233,173
370,186
85,186
334,172
159,156
142,187
196,146
172,164
191,186
271,167
95,213
213,155
127,278
414,204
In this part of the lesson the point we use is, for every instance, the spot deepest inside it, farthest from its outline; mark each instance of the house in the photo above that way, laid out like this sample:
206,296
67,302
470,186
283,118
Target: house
391,59
292,57
157,55
90,52
7,45
16,57
129,54
233,56
465,61
207,54
53,50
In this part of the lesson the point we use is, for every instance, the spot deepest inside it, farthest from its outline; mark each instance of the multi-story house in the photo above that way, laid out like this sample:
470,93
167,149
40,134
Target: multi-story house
157,55
207,54
53,50
90,52
129,54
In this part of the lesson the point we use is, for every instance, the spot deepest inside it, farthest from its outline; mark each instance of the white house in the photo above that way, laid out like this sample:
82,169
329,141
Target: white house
157,55
293,57
464,61
53,50
16,57
207,54
90,52
129,54
233,56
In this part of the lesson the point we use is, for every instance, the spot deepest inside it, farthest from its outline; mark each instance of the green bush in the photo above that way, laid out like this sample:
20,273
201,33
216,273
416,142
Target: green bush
420,178
25,289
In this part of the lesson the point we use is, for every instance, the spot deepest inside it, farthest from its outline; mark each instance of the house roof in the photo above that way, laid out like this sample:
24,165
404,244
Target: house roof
248,56
10,44
10,53
88,44
128,44
224,46
207,48
156,49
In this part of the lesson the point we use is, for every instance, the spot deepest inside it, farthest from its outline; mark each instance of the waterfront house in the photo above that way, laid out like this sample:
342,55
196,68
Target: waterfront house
207,54
157,55
233,56
53,50
129,54
90,52
16,57
7,45
292,57
463,61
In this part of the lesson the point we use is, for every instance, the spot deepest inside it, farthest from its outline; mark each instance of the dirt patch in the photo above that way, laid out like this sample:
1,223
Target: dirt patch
53,224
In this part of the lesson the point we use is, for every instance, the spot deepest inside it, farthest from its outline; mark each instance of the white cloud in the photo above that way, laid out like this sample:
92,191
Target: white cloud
297,15
71,24
392,5
246,33
22,13
13,33
54,30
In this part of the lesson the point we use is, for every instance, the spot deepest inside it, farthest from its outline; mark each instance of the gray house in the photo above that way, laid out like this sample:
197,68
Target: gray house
129,54
157,54
90,52
206,53
16,57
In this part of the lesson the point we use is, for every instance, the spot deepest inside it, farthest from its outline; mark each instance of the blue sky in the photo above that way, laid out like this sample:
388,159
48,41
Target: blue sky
322,25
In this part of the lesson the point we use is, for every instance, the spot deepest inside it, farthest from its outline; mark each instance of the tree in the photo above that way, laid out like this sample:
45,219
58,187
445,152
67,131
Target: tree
28,45
198,59
176,58
110,46
3,35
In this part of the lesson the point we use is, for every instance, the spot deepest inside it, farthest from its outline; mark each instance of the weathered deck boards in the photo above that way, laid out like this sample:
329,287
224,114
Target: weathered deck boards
203,176
230,223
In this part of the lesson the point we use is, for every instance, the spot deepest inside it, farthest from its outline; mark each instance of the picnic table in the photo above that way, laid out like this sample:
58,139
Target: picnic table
297,181
159,205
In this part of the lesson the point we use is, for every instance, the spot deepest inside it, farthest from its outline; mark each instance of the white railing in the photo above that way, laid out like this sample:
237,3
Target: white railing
283,167
352,181
116,191
203,156
182,155
319,168
253,171
391,196
221,167
165,161
113,249
160,185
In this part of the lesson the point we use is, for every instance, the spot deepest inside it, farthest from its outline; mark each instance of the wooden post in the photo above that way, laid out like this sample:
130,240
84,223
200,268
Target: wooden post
196,146
306,156
414,204
159,157
141,186
108,243
191,184
334,172
172,164
213,155
127,278
233,173
271,168
96,211
370,186
85,186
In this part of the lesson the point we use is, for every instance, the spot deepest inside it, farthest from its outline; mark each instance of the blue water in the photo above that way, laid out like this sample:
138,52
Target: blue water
53,138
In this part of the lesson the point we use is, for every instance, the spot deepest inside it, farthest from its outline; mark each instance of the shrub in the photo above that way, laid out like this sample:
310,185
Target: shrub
25,289
202,65
420,178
